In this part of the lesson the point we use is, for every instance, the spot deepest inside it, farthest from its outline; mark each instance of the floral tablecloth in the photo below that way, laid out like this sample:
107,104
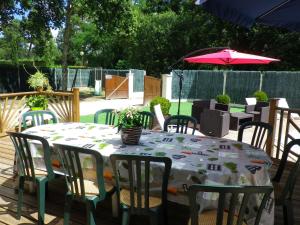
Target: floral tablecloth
195,159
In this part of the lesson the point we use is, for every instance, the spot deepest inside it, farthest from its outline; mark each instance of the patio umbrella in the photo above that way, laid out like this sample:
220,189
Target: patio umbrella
230,57
278,13
224,57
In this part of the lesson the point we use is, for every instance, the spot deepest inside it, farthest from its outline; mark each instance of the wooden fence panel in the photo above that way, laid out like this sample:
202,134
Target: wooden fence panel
116,87
152,88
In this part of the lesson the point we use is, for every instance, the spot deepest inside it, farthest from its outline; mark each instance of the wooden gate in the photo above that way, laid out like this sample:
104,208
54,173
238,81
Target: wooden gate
116,87
152,88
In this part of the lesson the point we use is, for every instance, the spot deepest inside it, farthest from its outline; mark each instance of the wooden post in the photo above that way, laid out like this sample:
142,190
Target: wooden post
76,105
272,122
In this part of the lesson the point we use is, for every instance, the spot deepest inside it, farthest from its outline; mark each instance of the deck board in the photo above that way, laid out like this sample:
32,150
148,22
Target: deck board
178,215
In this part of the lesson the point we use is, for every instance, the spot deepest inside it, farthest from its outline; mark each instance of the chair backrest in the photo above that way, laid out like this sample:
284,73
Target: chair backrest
159,116
38,117
290,183
262,131
251,101
139,178
110,116
234,193
74,160
180,123
147,119
25,164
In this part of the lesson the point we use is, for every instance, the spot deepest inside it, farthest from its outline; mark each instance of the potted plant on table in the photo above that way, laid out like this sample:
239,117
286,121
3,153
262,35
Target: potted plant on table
223,102
130,125
38,81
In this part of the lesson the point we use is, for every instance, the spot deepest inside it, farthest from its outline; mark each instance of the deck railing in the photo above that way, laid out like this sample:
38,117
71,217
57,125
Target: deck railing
64,104
286,125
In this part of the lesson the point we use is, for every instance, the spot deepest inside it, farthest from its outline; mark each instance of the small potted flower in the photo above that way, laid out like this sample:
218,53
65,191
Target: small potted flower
130,125
37,102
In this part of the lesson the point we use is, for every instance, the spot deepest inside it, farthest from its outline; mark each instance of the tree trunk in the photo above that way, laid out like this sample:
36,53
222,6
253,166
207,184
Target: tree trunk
66,44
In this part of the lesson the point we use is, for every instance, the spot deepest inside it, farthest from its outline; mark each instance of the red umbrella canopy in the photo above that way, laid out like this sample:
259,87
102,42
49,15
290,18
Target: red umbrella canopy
230,57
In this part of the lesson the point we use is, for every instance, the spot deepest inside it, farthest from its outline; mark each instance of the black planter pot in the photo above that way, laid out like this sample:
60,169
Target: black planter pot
131,136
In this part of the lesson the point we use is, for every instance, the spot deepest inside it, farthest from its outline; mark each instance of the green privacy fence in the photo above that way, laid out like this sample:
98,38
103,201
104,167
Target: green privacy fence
86,77
283,84
205,84
197,84
138,80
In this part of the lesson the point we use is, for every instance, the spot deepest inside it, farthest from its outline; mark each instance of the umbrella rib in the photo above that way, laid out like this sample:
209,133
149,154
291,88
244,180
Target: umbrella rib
273,9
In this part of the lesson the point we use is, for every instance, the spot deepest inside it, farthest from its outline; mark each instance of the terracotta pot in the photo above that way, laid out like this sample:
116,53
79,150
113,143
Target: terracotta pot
131,136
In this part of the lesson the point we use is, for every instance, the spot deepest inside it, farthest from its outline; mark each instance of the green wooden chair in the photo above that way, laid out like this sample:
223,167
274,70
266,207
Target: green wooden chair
135,199
219,216
38,118
284,192
85,185
181,124
147,119
110,116
27,171
262,131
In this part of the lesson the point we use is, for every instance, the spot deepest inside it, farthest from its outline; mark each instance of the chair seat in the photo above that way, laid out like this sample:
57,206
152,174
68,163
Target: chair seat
125,199
91,189
210,218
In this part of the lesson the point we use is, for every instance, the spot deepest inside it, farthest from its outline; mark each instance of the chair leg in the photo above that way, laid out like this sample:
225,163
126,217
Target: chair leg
67,209
165,215
125,216
288,213
154,218
41,200
91,208
20,196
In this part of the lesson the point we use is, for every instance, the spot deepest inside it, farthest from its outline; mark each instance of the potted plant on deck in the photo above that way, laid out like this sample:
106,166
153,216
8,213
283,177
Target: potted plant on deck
223,102
130,125
38,81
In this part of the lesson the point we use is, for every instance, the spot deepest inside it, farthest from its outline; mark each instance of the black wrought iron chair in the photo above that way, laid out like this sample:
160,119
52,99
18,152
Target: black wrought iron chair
28,172
284,191
84,185
262,131
147,119
180,124
219,216
109,116
135,199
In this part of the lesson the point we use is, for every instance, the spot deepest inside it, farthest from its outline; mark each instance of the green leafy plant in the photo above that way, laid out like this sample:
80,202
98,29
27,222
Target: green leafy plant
129,118
223,99
261,96
165,104
39,80
38,101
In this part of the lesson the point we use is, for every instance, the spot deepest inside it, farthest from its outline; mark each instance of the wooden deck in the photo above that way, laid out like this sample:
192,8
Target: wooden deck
178,215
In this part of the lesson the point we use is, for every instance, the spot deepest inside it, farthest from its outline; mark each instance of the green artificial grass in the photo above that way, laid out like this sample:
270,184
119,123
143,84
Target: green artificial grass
185,109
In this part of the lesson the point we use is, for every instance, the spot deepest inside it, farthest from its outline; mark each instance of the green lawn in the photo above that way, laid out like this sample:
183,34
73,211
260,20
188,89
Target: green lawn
185,109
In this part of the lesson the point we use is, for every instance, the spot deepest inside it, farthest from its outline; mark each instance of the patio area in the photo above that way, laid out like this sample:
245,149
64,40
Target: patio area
178,214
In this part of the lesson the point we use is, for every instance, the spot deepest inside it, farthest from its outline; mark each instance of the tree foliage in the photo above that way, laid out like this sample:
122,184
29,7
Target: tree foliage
124,34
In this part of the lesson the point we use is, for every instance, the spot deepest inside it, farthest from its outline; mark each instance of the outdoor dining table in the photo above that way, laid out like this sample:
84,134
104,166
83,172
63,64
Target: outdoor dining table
195,159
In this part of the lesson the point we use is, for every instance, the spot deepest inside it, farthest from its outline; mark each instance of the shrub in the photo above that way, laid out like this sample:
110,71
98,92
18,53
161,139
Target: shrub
223,99
165,104
261,96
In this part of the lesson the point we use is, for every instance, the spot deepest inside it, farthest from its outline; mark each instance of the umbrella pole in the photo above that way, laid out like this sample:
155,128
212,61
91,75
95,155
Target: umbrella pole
180,90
